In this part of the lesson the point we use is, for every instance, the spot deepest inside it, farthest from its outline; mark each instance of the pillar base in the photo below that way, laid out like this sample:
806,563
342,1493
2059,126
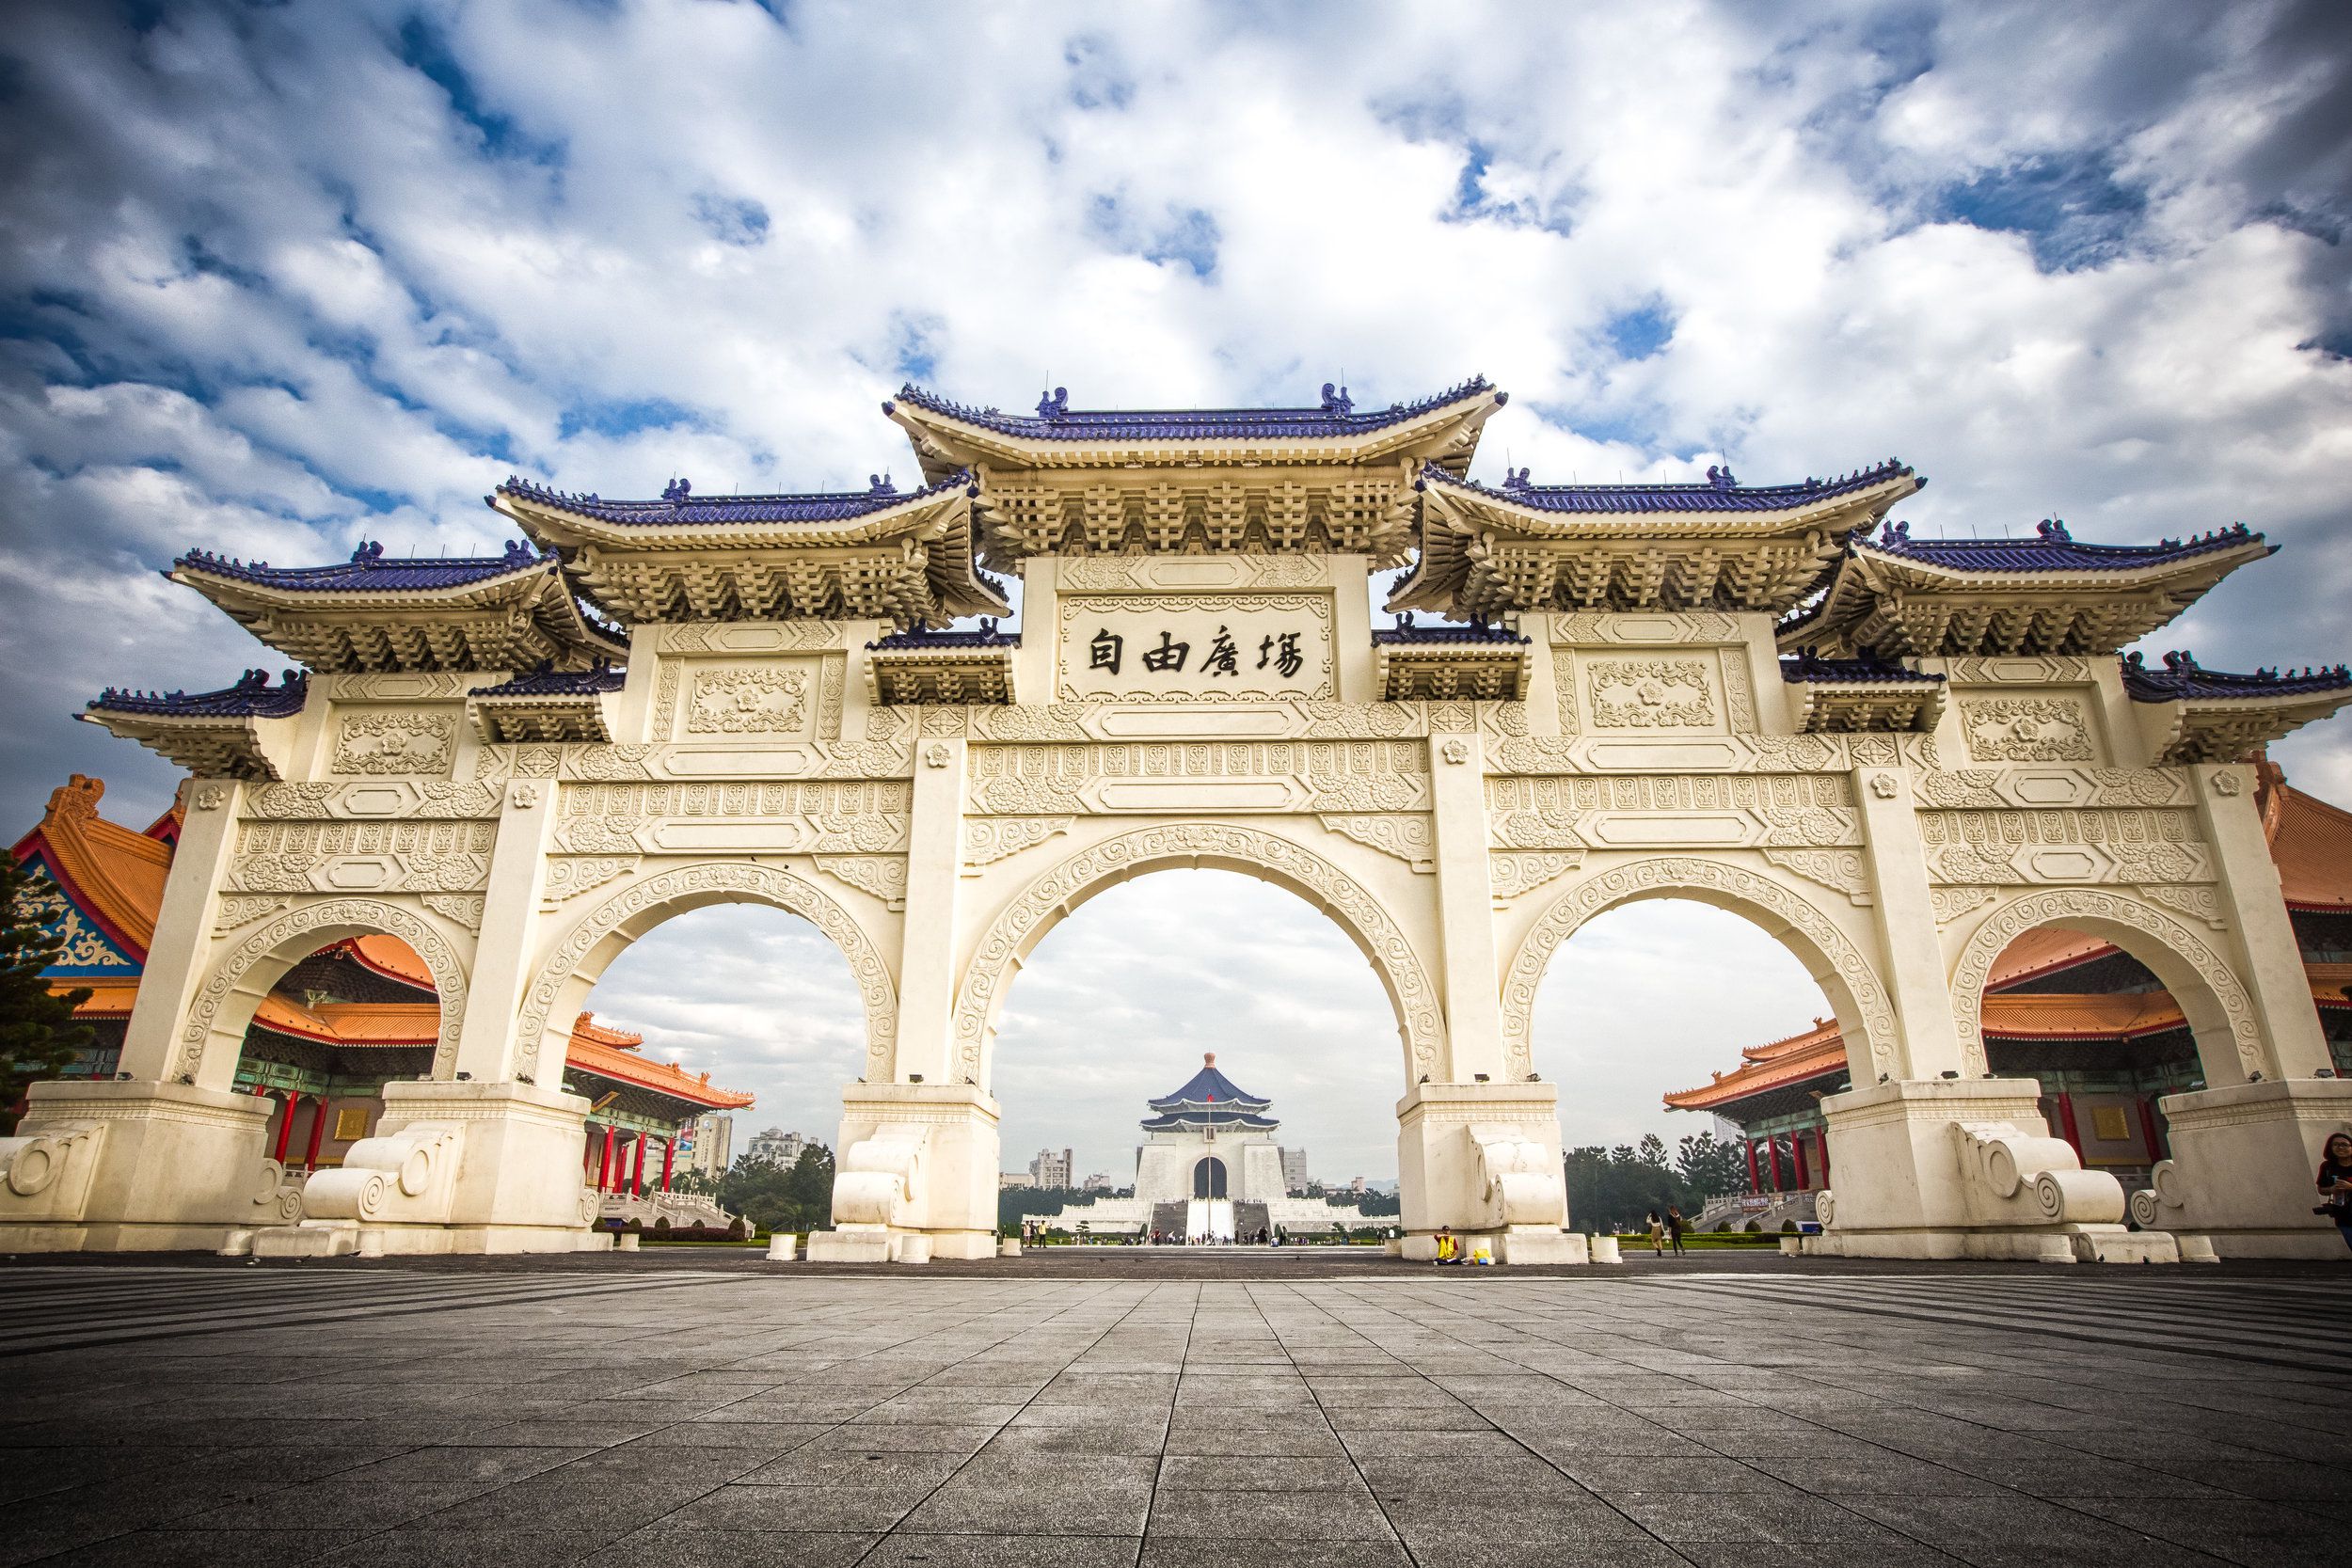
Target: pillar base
2241,1175
138,1167
916,1177
1964,1167
1483,1160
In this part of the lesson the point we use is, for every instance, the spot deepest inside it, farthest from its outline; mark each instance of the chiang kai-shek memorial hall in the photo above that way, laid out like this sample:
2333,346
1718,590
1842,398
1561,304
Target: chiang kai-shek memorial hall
1896,754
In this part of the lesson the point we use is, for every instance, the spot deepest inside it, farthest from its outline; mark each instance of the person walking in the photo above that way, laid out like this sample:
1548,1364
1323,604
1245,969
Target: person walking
1657,1235
2335,1183
1674,1223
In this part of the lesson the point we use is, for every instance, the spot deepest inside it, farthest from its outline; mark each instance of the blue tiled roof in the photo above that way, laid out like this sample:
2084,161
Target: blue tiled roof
370,571
1177,1121
924,637
556,683
2052,550
1406,631
1056,420
2184,677
1209,1088
1721,492
252,697
678,504
1806,667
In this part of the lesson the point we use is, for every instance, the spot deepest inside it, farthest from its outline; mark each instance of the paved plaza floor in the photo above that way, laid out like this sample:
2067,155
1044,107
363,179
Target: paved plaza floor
1052,1412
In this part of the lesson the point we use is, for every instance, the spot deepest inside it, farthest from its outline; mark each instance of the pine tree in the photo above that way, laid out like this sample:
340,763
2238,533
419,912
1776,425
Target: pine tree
38,1034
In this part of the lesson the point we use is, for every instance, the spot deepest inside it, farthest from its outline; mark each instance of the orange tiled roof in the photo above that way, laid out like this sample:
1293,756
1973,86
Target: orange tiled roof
623,1065
2312,843
115,874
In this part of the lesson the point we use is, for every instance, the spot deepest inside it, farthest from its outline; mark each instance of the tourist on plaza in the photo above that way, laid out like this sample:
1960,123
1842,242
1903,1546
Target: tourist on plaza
1674,1226
2335,1181
1656,1234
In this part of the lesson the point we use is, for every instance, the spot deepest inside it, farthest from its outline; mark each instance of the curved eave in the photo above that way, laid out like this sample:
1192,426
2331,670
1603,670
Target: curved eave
113,875
622,1067
2203,568
1446,434
1472,507
559,528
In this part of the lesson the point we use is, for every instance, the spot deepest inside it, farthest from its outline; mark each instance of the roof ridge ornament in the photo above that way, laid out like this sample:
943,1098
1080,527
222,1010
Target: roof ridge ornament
677,490
1516,478
1335,400
2054,529
368,550
1721,478
1054,405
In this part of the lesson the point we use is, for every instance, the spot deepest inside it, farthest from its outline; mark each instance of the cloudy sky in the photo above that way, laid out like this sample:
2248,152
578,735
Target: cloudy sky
274,280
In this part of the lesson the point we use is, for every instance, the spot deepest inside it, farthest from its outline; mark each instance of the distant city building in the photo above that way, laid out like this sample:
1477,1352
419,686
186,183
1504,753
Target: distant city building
1295,1171
779,1146
1052,1170
1014,1179
1359,1185
706,1144
1098,1182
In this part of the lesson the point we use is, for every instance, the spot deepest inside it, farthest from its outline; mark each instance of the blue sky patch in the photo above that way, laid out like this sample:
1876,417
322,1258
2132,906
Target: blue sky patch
2070,209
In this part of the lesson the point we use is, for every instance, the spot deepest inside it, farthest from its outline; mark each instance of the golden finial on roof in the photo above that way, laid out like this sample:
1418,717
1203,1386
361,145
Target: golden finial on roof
1208,1058
78,797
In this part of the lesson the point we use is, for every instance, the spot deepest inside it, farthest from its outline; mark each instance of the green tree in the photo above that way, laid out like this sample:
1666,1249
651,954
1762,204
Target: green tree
37,1033
775,1196
1711,1166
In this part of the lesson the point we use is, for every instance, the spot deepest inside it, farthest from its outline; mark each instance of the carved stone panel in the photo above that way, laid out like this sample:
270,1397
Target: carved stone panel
2055,728
762,700
1660,693
1190,647
385,742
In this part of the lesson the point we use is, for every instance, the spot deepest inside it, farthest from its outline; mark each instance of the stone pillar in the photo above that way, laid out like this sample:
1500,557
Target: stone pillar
1914,967
1483,1160
503,968
924,1051
1466,921
183,934
2240,1177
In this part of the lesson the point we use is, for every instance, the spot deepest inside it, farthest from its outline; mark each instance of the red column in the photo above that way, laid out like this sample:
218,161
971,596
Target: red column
2066,1122
604,1167
1755,1182
637,1170
1772,1147
2148,1128
285,1130
669,1152
318,1132
1820,1144
1796,1152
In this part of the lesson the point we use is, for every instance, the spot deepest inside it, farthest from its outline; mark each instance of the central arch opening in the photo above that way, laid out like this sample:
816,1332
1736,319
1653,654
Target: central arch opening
1692,1048
1099,1065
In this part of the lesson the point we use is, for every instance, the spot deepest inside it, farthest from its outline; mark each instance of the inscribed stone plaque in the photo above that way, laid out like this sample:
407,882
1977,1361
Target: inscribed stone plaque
1189,647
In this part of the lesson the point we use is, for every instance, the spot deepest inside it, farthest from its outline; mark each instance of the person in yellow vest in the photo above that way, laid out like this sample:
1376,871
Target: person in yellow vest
1446,1252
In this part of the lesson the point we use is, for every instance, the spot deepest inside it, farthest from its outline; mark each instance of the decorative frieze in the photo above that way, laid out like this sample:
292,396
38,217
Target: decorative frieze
375,857
1512,874
569,876
2027,729
883,877
763,700
2064,845
989,839
407,799
392,742
1841,870
779,815
1189,776
1650,694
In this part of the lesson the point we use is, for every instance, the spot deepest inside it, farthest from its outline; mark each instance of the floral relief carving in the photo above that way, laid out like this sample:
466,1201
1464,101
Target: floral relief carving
754,883
1016,930
369,914
2059,904
1364,775
1513,873
244,910
760,701
1668,874
882,875
2027,729
832,677
569,876
1650,694
1405,835
409,855
989,839
2097,846
380,745
209,797
1950,903
83,947
2198,903
1564,687
1841,870
461,908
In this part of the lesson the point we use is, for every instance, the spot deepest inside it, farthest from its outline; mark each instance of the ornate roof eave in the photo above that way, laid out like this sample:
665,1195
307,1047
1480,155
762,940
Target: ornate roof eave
1891,602
1481,547
1444,432
945,668
493,622
208,747
546,708
643,570
1450,663
115,874
1850,696
2209,721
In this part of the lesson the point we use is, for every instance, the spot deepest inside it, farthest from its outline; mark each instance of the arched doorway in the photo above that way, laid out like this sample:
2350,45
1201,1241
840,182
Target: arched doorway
1102,1046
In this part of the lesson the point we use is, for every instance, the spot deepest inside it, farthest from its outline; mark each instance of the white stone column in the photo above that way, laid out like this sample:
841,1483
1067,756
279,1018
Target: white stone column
1466,919
1912,963
183,931
927,969
2268,958
503,967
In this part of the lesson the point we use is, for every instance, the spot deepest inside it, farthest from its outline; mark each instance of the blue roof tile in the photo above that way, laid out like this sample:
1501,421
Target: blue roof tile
1056,420
1721,492
1807,667
370,571
2184,677
1209,1088
252,697
926,637
1408,632
556,683
2051,549
1177,1121
678,504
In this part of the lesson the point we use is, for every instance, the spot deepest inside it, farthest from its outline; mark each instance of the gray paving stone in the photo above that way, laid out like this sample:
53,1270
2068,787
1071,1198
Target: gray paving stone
1269,1516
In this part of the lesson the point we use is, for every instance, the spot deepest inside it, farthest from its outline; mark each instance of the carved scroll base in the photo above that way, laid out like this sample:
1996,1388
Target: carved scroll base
917,1178
1945,1168
136,1167
2239,1182
1482,1161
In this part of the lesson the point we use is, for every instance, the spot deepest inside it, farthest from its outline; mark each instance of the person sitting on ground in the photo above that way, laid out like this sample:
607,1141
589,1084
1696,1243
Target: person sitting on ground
2335,1183
1657,1235
1445,1245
